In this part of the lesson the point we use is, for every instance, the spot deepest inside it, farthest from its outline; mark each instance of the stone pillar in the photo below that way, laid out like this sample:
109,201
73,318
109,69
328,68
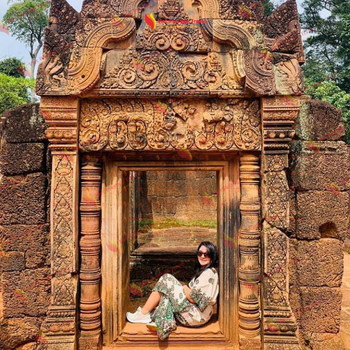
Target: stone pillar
90,247
60,326
279,115
249,247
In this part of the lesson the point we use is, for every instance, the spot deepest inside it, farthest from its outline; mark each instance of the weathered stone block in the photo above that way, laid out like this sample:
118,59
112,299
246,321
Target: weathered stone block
16,331
319,121
22,199
26,293
320,309
321,263
11,261
24,124
322,214
320,166
295,301
33,241
329,341
22,158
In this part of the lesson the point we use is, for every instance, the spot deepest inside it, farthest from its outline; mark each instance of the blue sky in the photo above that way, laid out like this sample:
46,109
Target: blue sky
14,48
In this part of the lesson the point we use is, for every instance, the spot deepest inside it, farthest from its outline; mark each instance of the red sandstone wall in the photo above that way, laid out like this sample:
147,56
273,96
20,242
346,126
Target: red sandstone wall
319,219
181,195
24,229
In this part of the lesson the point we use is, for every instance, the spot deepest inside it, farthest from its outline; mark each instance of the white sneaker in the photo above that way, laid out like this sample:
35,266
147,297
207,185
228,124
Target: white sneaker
138,317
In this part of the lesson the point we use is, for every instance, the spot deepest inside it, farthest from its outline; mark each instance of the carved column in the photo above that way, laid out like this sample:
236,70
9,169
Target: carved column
249,247
60,326
279,115
90,246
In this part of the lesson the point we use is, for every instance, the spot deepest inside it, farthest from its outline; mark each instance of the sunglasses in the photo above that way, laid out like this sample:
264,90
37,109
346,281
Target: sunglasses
205,255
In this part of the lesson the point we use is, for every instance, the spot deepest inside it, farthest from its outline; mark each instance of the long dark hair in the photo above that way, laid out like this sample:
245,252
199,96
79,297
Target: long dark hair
214,256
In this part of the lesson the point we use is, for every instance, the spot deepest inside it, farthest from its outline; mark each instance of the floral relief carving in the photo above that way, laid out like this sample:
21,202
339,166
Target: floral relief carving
179,38
193,124
169,71
63,215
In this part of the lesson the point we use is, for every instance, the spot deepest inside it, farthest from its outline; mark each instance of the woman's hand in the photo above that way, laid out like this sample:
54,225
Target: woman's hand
187,291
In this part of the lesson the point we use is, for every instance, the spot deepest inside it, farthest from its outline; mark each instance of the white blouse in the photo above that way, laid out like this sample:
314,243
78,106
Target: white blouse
205,289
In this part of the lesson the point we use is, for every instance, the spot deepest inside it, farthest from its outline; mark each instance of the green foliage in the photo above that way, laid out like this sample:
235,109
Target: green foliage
27,20
9,66
328,53
328,49
329,92
14,91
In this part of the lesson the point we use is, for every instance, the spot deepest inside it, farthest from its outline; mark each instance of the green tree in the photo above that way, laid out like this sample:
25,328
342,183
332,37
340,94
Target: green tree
14,91
328,48
12,67
330,92
27,20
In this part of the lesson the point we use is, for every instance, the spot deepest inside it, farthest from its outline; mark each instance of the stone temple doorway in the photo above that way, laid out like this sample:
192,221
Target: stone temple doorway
134,252
171,212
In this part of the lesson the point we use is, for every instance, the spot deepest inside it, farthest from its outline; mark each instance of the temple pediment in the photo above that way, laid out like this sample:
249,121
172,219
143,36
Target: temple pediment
216,48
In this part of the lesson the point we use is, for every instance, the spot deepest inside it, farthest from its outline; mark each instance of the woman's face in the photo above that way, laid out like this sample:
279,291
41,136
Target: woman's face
203,260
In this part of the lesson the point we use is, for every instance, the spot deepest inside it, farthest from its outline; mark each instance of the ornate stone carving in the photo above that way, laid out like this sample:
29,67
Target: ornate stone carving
282,30
236,52
259,72
59,41
279,322
171,9
178,37
165,73
288,77
64,257
279,115
243,10
276,204
191,124
90,242
249,252
61,117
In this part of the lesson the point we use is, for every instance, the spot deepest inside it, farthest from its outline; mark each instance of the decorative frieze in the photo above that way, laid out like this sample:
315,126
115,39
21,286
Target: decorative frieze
185,124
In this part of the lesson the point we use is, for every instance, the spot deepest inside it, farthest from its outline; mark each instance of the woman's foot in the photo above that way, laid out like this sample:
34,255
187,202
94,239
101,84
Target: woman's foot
138,317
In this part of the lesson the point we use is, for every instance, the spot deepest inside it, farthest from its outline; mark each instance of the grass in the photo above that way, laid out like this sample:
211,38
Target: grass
168,223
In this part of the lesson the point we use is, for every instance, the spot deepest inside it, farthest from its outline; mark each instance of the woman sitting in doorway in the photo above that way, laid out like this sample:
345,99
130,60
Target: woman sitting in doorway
191,305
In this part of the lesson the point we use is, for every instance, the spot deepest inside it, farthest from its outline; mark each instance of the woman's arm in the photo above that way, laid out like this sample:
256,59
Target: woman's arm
187,291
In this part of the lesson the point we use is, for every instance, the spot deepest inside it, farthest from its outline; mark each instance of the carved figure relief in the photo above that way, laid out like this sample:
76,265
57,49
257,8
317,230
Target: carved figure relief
191,124
165,36
168,71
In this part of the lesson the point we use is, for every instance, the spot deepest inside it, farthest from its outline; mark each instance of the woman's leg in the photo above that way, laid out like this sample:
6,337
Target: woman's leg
151,302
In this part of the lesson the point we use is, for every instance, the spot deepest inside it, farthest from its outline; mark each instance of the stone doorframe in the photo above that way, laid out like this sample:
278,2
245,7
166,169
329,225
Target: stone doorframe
115,199
265,322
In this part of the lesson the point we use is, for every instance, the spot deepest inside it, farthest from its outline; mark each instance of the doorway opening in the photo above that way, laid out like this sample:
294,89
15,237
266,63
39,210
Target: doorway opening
171,212
153,218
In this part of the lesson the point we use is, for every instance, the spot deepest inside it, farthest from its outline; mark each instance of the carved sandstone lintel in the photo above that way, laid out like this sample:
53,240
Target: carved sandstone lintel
158,126
90,242
249,249
61,322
